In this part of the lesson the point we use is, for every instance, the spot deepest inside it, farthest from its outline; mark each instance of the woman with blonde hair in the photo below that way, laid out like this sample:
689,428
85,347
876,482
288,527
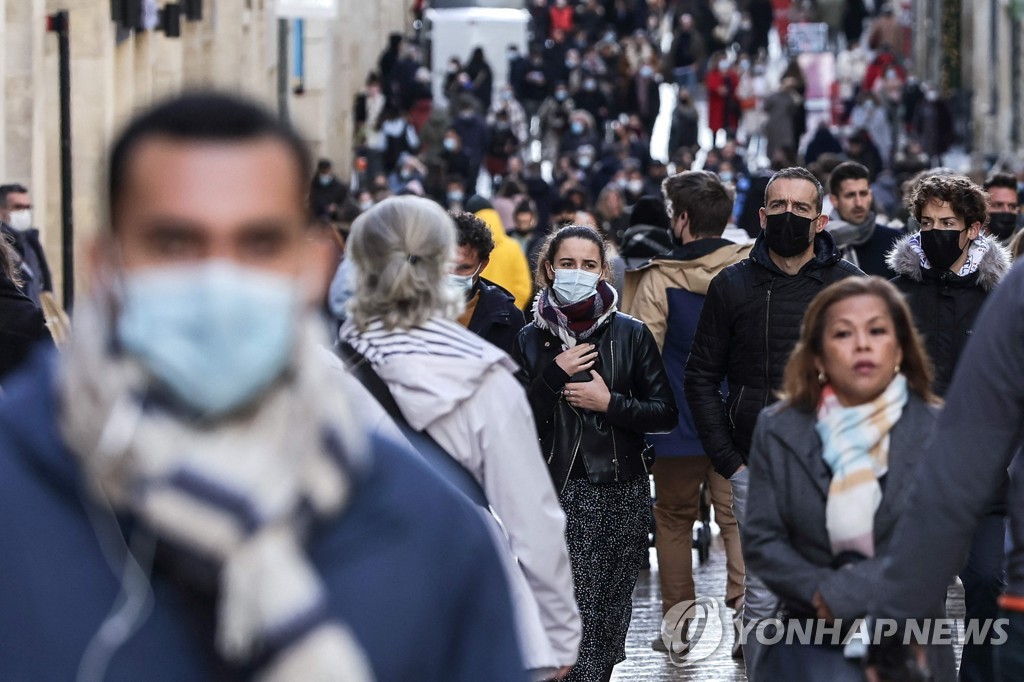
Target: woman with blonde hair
461,391
830,472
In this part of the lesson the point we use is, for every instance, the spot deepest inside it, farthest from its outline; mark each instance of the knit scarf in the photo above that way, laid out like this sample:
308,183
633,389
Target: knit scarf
856,449
575,322
239,494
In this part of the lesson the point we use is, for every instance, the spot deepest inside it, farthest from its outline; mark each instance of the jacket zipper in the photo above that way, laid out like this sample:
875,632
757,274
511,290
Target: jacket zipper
767,347
615,450
575,450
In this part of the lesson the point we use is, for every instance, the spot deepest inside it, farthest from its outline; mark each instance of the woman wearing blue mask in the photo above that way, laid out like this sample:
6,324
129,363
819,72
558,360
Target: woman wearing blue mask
597,384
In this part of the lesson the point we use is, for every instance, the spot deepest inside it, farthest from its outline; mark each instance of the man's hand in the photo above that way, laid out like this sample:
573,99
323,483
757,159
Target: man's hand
591,395
821,607
577,359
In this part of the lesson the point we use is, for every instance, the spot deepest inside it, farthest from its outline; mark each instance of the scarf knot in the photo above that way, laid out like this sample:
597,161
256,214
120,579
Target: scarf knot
855,444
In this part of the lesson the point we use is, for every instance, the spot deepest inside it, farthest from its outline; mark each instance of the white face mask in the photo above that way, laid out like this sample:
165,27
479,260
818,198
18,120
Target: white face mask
21,220
573,286
463,283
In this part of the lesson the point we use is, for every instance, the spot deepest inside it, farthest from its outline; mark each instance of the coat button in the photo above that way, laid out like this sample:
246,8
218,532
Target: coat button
547,344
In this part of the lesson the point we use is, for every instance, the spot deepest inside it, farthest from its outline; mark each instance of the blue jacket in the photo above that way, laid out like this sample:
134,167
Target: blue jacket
410,569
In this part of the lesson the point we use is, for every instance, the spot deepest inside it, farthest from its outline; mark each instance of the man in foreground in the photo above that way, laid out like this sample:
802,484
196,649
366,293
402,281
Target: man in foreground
184,495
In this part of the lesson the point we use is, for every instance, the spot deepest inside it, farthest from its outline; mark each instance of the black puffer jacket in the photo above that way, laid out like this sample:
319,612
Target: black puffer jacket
945,305
748,327
612,445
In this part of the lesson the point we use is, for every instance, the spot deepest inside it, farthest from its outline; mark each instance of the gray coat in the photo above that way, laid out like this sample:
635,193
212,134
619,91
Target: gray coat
979,432
784,538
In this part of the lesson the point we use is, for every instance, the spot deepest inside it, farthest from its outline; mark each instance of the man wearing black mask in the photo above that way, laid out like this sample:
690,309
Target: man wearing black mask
1003,207
947,271
748,326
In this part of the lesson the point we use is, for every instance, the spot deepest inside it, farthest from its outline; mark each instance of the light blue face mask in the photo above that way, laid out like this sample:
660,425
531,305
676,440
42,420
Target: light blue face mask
573,286
214,334
463,283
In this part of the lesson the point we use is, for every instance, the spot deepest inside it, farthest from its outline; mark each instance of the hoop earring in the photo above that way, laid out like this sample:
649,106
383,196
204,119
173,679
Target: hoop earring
822,378
896,369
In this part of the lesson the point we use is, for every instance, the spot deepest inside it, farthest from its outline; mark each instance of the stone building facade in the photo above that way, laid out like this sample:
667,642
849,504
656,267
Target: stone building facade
114,73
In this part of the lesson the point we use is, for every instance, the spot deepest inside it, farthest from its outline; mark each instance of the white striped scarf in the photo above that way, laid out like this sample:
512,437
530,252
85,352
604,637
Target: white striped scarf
239,494
856,448
436,337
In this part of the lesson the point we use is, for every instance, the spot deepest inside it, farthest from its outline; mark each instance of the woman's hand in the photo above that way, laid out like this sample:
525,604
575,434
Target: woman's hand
821,607
577,359
589,395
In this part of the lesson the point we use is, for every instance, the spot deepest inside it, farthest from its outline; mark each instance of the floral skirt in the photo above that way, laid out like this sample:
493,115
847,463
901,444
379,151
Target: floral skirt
606,532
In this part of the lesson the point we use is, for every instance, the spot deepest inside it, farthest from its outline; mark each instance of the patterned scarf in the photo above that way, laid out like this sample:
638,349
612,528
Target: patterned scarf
239,495
577,321
856,449
975,252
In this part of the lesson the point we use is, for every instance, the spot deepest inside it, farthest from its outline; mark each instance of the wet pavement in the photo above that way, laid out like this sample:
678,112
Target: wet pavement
643,664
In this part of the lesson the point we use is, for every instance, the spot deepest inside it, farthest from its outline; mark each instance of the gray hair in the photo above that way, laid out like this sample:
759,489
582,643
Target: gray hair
403,249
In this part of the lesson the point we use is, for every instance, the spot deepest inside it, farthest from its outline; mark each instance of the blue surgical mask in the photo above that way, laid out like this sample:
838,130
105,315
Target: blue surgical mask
214,334
577,128
455,197
573,286
463,283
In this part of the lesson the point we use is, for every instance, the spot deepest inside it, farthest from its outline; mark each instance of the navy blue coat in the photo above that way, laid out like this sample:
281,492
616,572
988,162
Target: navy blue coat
409,567
496,318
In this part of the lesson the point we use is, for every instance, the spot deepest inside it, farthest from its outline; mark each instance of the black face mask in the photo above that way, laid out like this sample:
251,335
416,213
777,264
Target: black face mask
941,247
787,234
1002,225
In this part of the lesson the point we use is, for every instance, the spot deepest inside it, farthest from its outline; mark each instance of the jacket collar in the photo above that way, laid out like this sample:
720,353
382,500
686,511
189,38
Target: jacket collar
826,253
492,306
995,262
803,440
695,249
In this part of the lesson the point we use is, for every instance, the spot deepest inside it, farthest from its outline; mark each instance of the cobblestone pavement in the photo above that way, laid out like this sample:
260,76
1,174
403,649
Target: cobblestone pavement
643,664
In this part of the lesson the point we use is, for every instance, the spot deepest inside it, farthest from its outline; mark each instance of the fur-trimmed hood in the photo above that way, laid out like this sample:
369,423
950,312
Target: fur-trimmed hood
987,257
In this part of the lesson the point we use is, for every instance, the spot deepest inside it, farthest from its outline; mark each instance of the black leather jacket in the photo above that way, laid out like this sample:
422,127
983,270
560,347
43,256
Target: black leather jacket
612,444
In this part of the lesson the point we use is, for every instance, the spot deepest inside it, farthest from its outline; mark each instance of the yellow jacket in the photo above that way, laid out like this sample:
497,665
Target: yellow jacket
508,267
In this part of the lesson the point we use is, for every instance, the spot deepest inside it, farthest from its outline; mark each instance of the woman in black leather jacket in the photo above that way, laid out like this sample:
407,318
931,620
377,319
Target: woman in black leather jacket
596,384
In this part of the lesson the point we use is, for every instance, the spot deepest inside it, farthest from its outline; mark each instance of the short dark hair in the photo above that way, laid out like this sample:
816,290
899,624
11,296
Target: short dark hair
7,190
1005,180
701,196
524,206
474,233
967,200
550,248
847,170
202,116
797,173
